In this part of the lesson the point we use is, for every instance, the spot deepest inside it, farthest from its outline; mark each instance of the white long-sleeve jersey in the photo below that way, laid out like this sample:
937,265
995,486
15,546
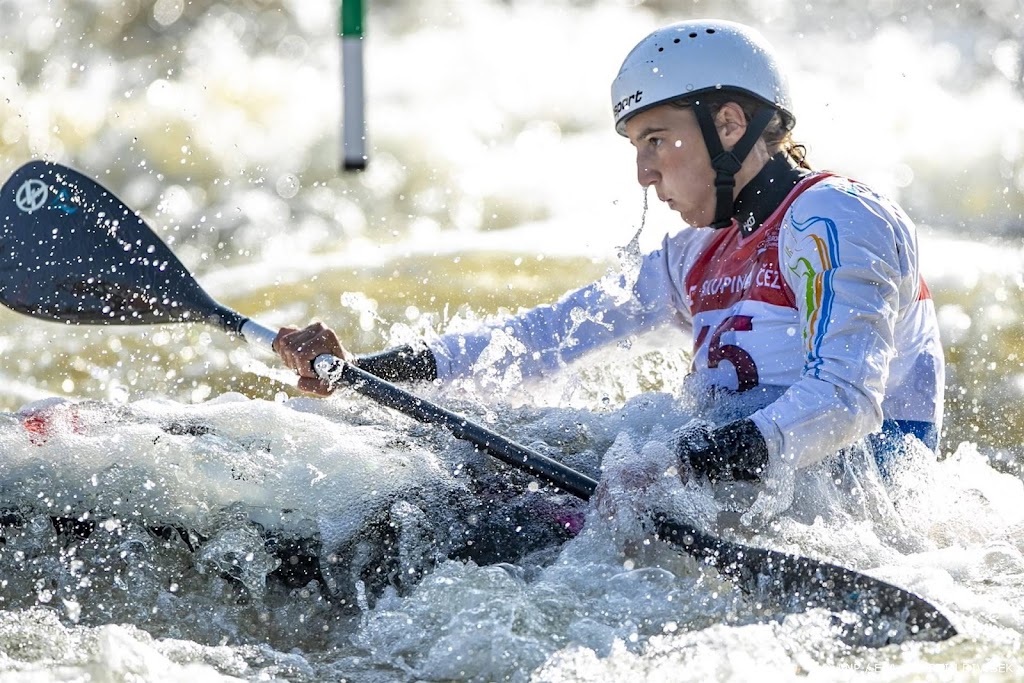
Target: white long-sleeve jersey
824,302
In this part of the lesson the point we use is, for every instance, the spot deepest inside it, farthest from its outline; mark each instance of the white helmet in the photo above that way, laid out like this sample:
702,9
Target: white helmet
692,57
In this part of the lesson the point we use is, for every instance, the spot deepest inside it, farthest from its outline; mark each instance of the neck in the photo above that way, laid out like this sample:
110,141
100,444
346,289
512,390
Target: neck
769,187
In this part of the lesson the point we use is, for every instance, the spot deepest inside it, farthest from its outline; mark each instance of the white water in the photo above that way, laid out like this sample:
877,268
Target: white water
489,131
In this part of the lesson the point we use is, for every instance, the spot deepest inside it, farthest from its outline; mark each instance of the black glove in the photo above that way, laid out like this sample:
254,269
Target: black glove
734,451
401,364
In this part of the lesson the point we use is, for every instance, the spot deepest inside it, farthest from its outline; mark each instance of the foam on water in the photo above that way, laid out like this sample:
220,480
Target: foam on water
607,600
229,450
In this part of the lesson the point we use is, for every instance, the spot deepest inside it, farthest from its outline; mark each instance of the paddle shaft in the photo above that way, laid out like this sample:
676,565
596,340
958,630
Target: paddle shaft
335,371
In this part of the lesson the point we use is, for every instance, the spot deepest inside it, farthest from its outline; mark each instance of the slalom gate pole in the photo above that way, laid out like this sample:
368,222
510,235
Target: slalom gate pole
353,125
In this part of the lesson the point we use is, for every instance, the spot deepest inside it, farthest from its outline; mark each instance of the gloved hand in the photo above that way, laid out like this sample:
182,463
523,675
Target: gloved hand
733,451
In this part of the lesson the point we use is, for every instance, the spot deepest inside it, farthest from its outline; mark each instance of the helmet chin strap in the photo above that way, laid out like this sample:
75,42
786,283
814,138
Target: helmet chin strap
727,163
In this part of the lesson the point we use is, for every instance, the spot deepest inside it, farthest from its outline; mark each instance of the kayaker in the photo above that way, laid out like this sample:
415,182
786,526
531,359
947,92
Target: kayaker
799,287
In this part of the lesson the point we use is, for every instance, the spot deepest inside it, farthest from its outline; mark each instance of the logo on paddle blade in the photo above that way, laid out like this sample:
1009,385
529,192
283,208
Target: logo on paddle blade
31,196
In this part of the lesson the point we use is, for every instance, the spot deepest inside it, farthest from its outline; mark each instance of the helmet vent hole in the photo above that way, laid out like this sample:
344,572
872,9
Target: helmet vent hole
661,49
709,31
676,40
693,35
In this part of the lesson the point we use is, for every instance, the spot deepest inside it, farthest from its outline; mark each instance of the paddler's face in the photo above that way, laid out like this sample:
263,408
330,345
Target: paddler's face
671,158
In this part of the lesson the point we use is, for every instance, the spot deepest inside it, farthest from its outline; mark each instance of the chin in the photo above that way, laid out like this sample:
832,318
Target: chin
694,220
694,223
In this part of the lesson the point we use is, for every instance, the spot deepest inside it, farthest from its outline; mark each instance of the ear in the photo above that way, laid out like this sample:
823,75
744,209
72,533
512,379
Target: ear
731,123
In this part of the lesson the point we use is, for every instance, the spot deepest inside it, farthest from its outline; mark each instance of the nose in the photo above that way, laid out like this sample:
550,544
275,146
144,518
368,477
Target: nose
646,174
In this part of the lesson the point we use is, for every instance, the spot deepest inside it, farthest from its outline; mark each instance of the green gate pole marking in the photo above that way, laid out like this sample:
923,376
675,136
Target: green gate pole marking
353,124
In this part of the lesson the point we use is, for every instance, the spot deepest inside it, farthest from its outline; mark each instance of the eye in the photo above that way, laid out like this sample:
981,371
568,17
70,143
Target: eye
655,141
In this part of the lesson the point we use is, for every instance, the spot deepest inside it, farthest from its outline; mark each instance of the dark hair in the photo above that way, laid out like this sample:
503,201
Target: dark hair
776,135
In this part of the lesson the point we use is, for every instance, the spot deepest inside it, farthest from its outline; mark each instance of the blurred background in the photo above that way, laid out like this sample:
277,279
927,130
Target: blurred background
495,179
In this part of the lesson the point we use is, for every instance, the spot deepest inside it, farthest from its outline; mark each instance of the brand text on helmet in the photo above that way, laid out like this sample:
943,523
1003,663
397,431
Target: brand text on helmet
627,101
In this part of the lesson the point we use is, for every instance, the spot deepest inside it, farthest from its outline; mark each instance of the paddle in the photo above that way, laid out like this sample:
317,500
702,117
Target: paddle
70,251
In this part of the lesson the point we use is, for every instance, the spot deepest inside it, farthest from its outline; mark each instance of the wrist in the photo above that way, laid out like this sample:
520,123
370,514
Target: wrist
400,364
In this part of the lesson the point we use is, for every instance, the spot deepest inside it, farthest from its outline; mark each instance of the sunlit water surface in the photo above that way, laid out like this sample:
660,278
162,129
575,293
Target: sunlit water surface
205,481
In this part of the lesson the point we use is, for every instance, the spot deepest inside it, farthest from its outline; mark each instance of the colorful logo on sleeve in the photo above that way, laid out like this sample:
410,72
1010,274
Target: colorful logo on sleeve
813,259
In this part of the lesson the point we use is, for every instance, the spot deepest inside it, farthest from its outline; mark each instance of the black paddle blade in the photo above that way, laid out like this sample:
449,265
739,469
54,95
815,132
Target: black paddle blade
73,252
878,613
